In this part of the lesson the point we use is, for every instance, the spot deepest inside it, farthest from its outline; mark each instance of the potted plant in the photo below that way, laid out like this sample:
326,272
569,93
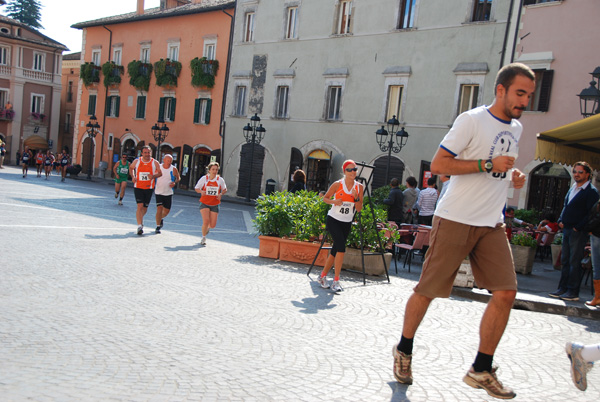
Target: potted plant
112,74
166,72
272,222
7,114
204,72
523,250
139,74
556,249
89,73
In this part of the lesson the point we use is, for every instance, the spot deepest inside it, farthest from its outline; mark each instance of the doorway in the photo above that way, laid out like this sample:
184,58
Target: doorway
549,184
296,162
318,170
396,170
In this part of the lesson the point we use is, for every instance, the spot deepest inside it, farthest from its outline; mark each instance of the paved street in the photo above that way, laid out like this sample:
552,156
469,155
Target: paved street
91,311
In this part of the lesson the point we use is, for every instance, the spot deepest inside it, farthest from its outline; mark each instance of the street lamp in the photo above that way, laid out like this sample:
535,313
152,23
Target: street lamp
253,133
589,98
92,130
396,142
160,134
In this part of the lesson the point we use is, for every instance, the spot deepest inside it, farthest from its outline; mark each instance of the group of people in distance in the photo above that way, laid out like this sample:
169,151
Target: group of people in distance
150,177
45,162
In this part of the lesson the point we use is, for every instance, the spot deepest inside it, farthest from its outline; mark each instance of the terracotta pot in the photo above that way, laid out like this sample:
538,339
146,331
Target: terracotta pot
268,247
301,251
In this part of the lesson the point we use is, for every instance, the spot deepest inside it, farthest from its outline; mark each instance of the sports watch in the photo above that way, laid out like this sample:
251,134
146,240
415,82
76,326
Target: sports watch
488,165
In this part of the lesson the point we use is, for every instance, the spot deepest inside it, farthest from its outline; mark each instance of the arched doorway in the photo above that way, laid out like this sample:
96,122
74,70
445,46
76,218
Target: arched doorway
548,186
87,158
379,173
251,170
318,170
129,149
200,161
296,162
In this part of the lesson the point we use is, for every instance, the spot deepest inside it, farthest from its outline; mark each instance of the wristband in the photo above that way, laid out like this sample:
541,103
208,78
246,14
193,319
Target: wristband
480,168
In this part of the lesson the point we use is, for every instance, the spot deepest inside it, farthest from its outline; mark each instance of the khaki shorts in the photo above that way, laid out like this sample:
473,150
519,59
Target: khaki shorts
450,242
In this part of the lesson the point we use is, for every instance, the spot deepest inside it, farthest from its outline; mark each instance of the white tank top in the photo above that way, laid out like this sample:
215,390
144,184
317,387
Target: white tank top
162,183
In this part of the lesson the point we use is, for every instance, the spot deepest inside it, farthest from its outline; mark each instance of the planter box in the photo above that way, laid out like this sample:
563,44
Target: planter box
464,278
373,263
523,258
268,247
301,251
556,253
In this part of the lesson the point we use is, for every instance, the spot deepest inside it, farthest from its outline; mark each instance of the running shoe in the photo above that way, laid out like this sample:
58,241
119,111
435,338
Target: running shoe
579,367
157,230
203,241
336,287
120,202
116,195
323,282
402,366
489,382
140,230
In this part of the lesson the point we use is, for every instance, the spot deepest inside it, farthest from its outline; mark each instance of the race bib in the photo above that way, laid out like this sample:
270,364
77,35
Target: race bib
144,176
124,170
347,208
212,190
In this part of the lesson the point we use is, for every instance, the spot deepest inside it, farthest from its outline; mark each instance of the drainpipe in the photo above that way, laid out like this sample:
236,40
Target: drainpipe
228,66
514,48
105,96
510,10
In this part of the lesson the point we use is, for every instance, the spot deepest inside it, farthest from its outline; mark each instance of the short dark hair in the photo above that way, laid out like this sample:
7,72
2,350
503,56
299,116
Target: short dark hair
431,181
411,181
510,209
586,166
507,74
394,182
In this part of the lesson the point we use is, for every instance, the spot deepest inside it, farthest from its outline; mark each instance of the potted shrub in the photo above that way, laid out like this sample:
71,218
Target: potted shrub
166,72
523,250
204,72
272,222
556,249
112,74
139,74
89,73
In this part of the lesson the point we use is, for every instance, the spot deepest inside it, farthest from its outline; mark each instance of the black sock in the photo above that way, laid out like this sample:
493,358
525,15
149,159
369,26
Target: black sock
120,198
483,362
406,345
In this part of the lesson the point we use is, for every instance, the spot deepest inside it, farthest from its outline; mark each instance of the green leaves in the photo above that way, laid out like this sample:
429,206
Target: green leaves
204,72
523,239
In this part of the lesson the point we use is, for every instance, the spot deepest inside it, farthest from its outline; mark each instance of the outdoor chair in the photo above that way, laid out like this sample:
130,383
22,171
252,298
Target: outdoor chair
421,238
543,249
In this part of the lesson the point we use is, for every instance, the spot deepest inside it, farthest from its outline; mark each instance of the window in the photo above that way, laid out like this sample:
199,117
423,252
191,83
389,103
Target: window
529,2
249,29
67,129
291,31
240,101
540,101
209,51
145,54
113,105
37,104
334,100
92,105
481,10
38,61
406,17
140,107
117,56
281,107
173,52
468,97
202,108
344,18
166,109
96,57
394,101
4,56
70,91
3,97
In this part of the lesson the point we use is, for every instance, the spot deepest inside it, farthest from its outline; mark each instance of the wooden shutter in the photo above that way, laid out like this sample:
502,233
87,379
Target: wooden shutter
117,105
545,89
208,107
196,110
161,109
172,116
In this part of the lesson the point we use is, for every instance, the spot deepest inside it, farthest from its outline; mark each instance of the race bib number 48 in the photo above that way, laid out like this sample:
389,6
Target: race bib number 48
346,208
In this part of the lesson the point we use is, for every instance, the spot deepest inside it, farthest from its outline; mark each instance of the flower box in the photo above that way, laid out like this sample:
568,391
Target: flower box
301,251
268,247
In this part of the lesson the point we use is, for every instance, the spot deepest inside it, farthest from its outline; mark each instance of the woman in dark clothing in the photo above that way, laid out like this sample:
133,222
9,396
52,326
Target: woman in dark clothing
299,181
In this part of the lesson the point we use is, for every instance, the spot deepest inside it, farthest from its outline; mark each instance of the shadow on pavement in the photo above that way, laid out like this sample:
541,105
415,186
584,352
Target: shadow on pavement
321,301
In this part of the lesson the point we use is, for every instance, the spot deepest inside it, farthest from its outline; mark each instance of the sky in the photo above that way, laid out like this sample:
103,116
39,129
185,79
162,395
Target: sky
59,15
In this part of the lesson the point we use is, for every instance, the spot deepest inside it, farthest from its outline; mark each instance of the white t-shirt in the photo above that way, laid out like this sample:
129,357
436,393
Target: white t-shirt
162,183
477,199
221,184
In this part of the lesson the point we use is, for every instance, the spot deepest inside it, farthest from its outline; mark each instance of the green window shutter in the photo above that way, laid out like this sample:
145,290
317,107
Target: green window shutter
108,104
208,107
172,117
196,110
117,106
140,112
161,109
92,105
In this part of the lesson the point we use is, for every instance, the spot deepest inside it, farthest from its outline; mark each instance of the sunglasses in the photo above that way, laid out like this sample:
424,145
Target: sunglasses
351,169
578,171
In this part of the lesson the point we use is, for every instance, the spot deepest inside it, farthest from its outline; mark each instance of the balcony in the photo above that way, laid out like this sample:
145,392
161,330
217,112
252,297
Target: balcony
37,75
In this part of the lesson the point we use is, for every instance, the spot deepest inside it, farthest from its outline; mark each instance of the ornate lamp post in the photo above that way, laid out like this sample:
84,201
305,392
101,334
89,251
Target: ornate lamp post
160,134
589,98
253,133
92,129
397,140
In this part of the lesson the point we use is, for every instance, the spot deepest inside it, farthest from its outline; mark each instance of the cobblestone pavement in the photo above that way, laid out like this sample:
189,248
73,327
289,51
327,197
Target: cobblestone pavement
91,311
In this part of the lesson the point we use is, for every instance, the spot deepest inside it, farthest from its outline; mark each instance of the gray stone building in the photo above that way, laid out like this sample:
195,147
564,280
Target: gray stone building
325,75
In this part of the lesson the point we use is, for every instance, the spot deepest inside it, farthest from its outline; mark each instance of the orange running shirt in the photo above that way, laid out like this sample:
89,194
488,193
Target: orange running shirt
143,174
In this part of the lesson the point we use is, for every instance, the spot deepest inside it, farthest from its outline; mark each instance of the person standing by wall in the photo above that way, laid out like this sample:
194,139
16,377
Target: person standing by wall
299,179
426,202
211,188
396,202
578,203
164,190
410,199
143,171
469,221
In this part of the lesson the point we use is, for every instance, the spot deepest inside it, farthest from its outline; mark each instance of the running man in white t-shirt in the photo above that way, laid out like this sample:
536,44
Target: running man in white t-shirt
479,152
